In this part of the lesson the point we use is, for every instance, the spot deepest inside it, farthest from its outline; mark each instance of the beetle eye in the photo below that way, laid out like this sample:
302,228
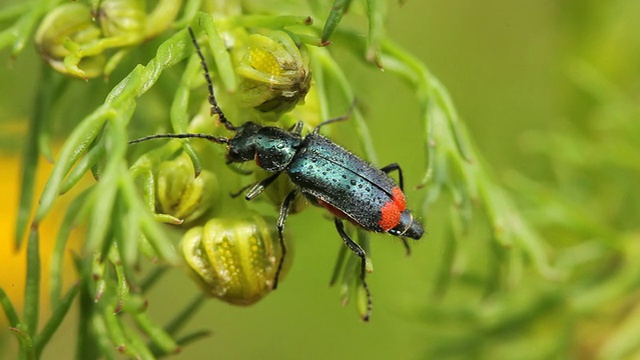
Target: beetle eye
234,155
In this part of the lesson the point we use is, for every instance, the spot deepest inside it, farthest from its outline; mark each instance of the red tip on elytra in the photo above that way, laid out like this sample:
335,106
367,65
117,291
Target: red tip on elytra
391,211
399,199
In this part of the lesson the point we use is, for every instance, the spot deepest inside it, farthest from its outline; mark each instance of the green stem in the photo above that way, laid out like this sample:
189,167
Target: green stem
32,285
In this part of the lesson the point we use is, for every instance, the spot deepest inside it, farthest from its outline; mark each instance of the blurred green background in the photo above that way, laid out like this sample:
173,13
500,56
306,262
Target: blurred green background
520,73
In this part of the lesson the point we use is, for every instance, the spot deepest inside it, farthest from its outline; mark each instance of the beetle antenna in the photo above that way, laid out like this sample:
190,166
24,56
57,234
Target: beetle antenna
215,139
339,118
215,109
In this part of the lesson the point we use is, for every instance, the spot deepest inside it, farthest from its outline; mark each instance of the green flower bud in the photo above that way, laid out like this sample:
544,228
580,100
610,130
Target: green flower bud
179,193
122,18
235,259
274,76
62,31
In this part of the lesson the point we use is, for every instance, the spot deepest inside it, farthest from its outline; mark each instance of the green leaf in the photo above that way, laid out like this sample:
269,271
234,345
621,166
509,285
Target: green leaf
69,221
173,326
221,56
8,308
158,336
20,32
337,268
178,114
377,13
191,337
56,319
338,10
115,331
47,89
270,21
135,344
84,165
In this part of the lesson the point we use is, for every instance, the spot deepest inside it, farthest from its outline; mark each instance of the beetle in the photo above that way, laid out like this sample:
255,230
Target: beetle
326,174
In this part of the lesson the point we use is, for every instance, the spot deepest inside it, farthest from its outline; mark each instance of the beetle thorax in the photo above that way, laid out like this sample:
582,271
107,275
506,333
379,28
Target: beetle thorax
272,148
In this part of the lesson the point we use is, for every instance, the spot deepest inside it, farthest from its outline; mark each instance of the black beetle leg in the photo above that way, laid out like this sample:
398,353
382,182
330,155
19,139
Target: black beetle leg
363,267
407,248
297,128
393,167
244,188
258,188
284,211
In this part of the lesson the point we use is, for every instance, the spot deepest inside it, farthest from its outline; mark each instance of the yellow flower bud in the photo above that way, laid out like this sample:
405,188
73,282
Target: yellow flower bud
235,259
274,75
122,18
179,193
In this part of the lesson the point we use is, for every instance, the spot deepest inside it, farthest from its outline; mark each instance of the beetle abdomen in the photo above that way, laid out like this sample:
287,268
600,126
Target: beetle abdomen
346,184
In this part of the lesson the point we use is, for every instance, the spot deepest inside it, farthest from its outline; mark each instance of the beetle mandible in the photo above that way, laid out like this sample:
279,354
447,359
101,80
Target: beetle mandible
326,174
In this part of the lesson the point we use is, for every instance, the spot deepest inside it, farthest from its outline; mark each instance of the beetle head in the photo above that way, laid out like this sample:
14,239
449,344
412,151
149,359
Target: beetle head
275,148
272,148
242,145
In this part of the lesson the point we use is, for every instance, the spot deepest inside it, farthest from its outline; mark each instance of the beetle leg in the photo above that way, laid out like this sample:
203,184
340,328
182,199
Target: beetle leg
237,193
393,167
363,256
258,188
297,128
407,248
237,169
284,211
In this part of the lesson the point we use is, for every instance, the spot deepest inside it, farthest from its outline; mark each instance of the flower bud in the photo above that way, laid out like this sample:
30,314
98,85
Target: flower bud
125,18
274,76
235,259
64,29
179,193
